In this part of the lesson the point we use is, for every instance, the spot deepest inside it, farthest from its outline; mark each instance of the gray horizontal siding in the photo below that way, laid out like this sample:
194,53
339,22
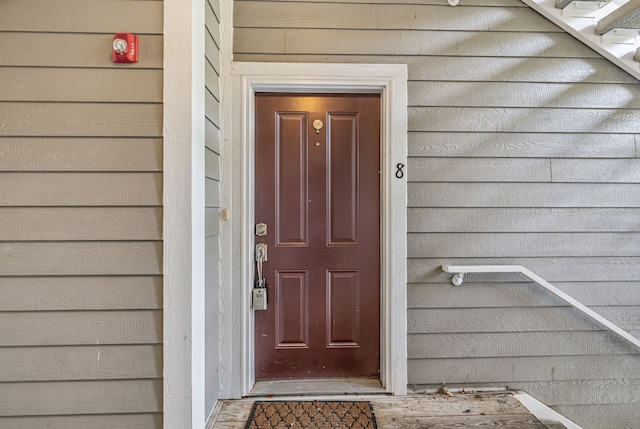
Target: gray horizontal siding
212,201
82,397
519,94
81,327
407,42
43,49
80,363
80,292
485,68
80,223
80,119
524,220
535,195
566,269
94,421
523,149
521,319
521,145
523,244
80,216
80,154
533,120
519,344
520,293
78,16
80,85
81,258
39,189
508,371
387,17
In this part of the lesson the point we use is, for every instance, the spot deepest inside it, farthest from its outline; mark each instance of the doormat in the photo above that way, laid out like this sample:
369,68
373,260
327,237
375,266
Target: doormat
312,415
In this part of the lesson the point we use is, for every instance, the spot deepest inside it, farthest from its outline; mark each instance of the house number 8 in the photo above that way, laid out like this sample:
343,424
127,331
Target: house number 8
399,172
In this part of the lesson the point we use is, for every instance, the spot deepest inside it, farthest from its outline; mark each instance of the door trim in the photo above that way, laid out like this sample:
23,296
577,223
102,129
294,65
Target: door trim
237,196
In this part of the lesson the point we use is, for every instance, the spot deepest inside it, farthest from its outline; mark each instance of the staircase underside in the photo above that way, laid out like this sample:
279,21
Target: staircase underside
610,27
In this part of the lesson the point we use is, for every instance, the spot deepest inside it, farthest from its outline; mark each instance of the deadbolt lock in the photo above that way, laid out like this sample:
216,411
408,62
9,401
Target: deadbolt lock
261,229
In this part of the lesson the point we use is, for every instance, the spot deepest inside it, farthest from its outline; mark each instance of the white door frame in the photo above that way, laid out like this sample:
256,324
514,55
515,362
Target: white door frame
236,319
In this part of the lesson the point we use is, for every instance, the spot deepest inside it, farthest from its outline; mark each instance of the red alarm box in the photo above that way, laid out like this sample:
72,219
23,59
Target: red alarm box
125,48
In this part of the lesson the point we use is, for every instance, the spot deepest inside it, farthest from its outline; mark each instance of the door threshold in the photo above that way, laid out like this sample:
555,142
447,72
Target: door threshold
318,386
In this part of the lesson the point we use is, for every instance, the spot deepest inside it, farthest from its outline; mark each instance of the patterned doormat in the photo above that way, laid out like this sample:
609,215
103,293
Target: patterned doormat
312,414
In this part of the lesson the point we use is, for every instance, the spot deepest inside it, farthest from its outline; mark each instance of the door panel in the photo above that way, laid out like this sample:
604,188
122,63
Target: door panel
319,193
292,329
343,309
291,180
343,179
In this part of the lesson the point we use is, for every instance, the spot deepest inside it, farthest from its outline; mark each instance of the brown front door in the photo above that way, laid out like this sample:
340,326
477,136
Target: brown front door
317,186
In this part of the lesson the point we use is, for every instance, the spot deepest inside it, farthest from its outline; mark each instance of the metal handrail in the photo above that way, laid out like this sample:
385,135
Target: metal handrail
461,270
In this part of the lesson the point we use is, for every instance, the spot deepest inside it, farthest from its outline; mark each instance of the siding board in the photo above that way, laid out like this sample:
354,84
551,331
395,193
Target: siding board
212,81
80,154
579,195
81,397
212,165
510,370
523,319
386,16
81,16
81,258
494,245
485,69
479,170
603,416
81,189
80,293
212,222
534,120
80,363
80,119
586,392
211,53
521,344
43,50
212,193
520,294
212,137
80,85
592,171
516,94
66,328
212,109
95,421
81,223
213,26
438,220
407,42
490,3
520,145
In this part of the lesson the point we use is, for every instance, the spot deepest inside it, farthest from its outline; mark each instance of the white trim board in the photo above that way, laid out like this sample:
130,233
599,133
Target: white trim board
542,412
236,319
183,215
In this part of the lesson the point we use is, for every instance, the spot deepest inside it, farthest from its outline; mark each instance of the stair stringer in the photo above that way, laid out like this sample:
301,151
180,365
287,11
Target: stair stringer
583,29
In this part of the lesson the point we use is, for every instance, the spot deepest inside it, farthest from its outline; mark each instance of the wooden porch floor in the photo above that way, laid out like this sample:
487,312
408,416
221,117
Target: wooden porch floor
418,411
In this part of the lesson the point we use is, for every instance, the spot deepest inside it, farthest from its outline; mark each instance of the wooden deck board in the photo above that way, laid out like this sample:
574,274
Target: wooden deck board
503,421
420,411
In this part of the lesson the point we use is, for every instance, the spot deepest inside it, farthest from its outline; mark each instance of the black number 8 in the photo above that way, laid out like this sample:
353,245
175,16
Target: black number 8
399,172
